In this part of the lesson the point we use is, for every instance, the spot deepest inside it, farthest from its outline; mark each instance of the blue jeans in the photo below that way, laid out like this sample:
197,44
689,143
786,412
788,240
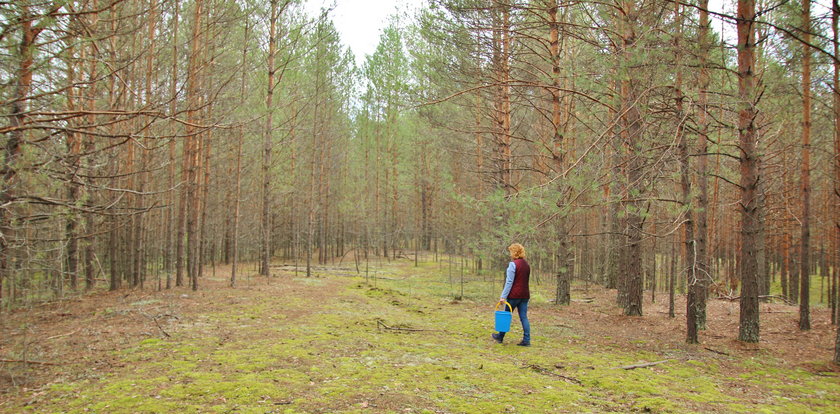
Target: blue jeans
522,305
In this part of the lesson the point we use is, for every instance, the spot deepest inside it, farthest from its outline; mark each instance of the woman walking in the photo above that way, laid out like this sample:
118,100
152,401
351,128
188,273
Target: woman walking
516,291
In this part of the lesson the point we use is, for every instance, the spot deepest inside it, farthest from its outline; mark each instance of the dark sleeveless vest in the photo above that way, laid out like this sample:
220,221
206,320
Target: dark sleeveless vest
519,289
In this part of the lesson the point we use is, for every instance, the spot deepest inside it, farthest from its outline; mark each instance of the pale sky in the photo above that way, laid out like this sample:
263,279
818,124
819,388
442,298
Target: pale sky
361,21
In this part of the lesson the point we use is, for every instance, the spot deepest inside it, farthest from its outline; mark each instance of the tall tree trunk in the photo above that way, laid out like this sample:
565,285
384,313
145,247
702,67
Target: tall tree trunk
265,226
701,236
786,240
501,57
565,255
74,148
316,137
748,265
193,219
17,116
173,108
632,124
805,245
117,225
130,252
192,142
835,17
205,191
238,173
89,147
180,258
690,248
143,177
90,227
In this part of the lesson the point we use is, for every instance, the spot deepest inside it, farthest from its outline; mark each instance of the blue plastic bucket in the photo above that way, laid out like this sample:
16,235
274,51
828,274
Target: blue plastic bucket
503,318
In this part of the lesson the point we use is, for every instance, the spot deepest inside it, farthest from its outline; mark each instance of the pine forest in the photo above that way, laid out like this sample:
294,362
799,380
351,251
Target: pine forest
221,206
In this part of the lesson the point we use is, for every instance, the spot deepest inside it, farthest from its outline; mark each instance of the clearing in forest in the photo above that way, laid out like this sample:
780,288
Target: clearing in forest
399,341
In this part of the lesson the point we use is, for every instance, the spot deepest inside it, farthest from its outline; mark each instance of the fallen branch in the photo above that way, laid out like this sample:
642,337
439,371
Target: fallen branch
302,267
645,365
28,362
168,315
59,336
155,319
161,329
545,371
782,298
716,351
395,328
734,298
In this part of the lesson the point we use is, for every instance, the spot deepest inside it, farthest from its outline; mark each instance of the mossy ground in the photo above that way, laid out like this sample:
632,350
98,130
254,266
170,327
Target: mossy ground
404,341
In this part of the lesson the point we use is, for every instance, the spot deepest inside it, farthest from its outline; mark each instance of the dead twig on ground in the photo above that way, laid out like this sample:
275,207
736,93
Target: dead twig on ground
59,336
161,329
716,351
645,365
164,315
546,371
28,362
380,324
734,298
782,298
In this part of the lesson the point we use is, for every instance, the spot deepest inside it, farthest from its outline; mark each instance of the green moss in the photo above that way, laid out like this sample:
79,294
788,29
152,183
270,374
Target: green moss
331,354
138,404
151,342
740,408
655,405
310,281
189,348
208,390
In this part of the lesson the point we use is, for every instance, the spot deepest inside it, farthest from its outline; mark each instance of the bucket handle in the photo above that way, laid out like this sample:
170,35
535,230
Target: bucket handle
506,303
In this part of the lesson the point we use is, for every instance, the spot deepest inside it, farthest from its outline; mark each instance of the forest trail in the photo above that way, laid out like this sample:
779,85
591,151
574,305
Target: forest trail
397,343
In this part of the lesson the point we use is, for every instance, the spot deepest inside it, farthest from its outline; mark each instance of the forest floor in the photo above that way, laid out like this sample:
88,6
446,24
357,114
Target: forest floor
399,342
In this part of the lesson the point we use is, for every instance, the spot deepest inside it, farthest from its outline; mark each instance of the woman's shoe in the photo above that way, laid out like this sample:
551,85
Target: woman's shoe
498,338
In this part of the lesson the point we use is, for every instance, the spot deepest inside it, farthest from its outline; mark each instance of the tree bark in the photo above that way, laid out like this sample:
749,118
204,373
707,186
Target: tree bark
74,148
565,271
173,108
690,248
805,244
703,273
193,142
835,20
265,226
12,150
633,130
238,173
501,61
748,265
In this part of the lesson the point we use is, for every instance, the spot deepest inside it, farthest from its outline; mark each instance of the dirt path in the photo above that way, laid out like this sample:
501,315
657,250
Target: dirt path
395,344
